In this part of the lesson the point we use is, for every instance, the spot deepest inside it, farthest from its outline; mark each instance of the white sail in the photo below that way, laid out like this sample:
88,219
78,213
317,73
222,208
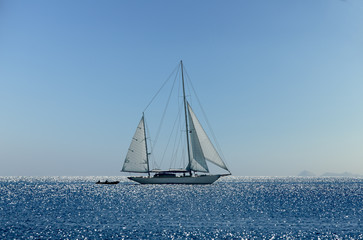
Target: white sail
136,159
208,150
197,159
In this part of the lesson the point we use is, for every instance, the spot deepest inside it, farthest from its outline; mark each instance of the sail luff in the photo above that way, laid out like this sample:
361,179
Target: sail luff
136,159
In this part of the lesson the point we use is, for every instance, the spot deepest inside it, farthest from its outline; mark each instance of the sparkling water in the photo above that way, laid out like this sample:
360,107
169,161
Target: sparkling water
231,208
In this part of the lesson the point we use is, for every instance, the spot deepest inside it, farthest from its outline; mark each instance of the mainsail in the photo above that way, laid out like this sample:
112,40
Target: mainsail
203,144
136,158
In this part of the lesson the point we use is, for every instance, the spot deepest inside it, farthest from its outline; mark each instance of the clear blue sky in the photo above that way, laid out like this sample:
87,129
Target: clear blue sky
280,81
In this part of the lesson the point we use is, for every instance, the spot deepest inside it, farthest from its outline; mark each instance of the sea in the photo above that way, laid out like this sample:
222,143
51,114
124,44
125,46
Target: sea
231,208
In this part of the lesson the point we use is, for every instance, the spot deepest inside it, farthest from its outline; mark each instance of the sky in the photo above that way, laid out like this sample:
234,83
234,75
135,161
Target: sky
280,81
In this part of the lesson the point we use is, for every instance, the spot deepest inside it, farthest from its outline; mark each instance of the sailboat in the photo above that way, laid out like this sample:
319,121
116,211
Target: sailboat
199,150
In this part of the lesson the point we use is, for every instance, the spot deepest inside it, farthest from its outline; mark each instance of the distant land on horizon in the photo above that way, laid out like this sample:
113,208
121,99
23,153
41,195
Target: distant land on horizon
307,173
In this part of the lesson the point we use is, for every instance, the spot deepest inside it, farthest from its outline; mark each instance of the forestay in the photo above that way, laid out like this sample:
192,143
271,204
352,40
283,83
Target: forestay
136,159
208,150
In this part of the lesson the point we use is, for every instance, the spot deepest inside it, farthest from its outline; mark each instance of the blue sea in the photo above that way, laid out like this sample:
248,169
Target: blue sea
231,208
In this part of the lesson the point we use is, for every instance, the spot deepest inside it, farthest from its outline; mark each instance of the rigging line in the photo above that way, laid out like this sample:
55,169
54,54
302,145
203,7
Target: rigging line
179,127
164,113
153,98
171,134
176,146
179,138
151,156
188,88
182,157
176,153
206,119
182,130
184,153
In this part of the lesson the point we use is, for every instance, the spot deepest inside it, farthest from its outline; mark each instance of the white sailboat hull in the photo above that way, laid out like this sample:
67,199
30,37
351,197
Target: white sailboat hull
206,179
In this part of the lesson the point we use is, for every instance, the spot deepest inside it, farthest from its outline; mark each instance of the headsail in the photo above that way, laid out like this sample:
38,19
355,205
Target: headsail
206,146
136,158
197,159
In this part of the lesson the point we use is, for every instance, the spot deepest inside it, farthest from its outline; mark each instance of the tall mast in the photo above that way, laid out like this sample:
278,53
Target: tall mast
186,118
147,154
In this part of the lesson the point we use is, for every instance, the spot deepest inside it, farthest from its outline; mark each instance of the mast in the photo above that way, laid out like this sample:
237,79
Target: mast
186,119
147,154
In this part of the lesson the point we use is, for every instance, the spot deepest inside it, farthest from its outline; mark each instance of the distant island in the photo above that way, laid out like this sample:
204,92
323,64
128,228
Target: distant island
307,173
344,174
